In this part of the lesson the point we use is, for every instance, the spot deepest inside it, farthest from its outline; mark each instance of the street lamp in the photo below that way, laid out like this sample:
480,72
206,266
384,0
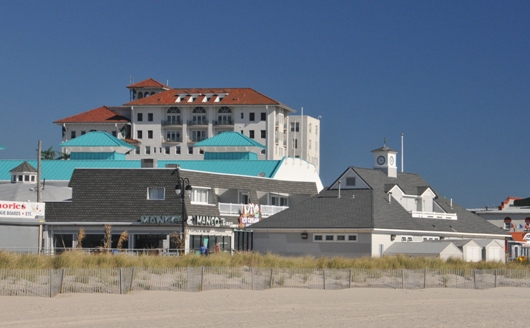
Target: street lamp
183,184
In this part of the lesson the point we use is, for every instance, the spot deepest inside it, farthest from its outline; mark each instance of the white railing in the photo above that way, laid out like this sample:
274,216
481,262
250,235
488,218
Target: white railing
433,215
235,209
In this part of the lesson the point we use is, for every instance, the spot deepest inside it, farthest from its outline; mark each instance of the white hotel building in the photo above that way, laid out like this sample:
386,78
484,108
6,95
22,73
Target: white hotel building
164,122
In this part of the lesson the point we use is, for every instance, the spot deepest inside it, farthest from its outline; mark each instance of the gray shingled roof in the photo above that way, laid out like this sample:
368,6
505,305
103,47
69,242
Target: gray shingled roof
417,248
369,208
24,167
120,195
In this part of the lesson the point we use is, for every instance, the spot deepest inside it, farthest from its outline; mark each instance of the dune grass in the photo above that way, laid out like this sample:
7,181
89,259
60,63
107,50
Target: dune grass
79,259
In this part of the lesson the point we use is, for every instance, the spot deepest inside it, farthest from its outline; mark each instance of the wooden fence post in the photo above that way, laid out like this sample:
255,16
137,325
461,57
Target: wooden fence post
272,272
495,284
324,276
349,280
424,278
202,277
121,281
61,283
475,278
252,277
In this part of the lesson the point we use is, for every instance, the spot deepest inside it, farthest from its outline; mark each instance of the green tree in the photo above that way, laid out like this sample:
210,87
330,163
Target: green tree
47,154
63,156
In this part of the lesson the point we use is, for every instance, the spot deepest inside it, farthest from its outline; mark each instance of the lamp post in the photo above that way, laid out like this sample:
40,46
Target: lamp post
182,188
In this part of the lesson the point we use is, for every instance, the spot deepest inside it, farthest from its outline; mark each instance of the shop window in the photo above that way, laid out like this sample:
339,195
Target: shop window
155,193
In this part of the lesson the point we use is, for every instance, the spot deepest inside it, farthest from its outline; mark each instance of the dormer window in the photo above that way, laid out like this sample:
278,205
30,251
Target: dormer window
181,98
350,181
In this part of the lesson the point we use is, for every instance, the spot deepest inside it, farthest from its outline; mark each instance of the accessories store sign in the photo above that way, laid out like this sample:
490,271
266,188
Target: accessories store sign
21,210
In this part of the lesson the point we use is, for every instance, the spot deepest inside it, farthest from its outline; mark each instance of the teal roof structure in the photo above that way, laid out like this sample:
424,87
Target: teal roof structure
97,141
229,141
63,169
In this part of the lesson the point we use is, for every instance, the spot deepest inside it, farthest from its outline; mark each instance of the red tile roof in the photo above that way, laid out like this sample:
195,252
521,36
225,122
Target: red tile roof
97,115
234,96
149,83
518,236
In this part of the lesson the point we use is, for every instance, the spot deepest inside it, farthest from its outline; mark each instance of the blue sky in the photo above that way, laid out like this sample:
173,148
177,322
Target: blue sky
453,76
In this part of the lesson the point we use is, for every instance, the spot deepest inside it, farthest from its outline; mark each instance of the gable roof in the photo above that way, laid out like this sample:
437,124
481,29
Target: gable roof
97,141
24,167
97,115
370,209
148,83
106,188
231,96
229,141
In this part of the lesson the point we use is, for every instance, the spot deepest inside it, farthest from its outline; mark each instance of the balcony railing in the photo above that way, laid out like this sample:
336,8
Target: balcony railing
177,139
171,122
433,215
198,122
235,209
196,139
223,122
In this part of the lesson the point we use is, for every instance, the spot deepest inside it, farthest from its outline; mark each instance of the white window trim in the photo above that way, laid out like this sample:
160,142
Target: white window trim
335,237
163,193
209,191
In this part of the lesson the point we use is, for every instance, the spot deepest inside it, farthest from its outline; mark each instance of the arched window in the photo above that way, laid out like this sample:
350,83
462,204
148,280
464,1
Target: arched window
224,116
140,95
199,116
527,224
508,223
173,116
152,93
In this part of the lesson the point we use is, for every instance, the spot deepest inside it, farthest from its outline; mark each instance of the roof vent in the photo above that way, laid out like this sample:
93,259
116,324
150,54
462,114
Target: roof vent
261,174
148,163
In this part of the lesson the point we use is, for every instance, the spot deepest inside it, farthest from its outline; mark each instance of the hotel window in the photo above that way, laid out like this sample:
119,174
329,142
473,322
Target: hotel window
309,143
148,150
507,223
295,127
330,238
198,135
317,237
139,117
341,238
263,134
242,115
137,151
155,193
150,117
352,238
309,127
251,134
263,116
316,130
190,150
224,116
114,134
72,134
149,134
197,117
139,134
83,133
177,150
167,150
251,117
199,195
173,136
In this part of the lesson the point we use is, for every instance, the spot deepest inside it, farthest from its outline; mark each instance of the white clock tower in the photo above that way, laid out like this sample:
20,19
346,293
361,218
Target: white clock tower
385,160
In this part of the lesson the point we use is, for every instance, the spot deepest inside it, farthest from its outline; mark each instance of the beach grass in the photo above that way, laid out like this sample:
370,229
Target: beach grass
79,259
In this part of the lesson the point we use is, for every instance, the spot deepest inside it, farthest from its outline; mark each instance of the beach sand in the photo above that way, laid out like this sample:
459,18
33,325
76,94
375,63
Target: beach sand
363,307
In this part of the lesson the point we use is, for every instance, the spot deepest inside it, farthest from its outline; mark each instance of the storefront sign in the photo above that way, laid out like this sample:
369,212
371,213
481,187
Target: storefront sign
25,210
203,220
160,219
250,214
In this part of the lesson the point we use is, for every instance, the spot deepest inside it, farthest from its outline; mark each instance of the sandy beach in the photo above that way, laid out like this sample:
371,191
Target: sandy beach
361,307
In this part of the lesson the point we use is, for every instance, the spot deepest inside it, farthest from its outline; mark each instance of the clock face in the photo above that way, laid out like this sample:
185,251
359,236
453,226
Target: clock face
391,160
380,160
